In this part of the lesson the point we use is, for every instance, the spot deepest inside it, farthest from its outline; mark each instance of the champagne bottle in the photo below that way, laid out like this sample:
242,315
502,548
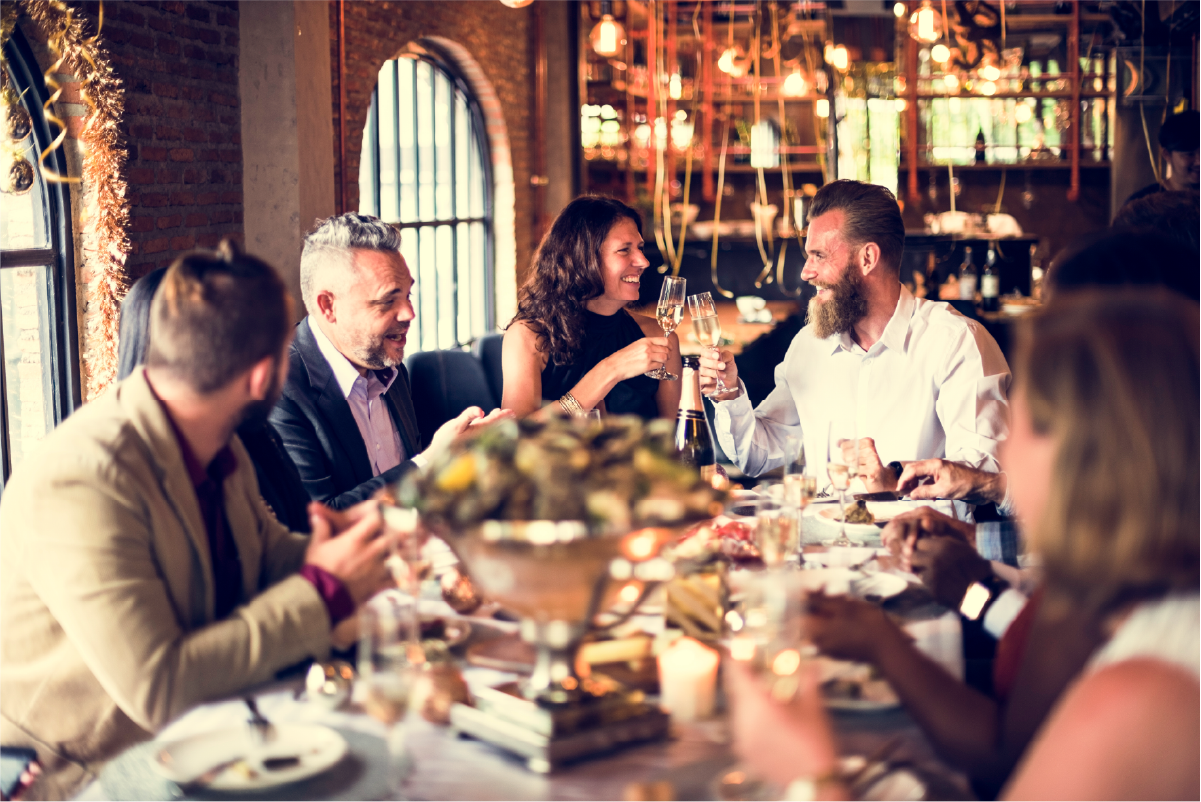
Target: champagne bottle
694,440
981,147
967,277
990,282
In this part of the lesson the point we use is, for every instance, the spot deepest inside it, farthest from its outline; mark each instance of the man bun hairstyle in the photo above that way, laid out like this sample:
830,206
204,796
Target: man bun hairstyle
871,214
215,315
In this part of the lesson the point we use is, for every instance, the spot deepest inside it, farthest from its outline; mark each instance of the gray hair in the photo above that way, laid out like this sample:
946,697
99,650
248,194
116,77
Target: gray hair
329,250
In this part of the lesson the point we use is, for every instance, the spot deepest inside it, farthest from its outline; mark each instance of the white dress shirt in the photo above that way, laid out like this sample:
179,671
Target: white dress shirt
934,385
365,395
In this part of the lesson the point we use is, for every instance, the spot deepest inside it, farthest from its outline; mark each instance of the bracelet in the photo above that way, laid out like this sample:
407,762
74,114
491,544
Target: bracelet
570,405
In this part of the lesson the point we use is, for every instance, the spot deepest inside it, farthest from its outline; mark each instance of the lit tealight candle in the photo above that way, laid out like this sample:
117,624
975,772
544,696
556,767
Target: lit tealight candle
688,680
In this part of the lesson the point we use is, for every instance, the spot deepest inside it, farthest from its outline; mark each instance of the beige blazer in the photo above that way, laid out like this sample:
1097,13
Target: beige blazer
107,630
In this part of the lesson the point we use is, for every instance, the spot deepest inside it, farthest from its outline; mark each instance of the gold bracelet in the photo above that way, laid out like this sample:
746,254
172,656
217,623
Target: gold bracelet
570,405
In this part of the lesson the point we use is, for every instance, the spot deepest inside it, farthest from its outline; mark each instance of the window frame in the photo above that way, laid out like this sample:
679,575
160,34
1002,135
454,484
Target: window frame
478,131
62,333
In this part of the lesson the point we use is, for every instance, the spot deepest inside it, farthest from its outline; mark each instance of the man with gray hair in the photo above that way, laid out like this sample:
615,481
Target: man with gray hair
346,415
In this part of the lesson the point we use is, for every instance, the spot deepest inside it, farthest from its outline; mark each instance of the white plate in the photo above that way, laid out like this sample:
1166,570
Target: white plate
317,747
884,511
883,696
840,581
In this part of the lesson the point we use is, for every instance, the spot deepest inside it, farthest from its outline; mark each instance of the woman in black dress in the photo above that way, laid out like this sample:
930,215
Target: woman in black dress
573,343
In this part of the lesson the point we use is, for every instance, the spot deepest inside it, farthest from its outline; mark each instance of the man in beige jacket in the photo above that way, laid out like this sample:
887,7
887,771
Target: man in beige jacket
140,571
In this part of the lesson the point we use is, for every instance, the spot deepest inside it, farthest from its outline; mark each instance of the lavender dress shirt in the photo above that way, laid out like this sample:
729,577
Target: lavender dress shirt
365,395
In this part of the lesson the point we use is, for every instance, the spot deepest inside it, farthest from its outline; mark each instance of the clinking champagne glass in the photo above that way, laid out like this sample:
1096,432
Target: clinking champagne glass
842,466
669,312
388,667
707,327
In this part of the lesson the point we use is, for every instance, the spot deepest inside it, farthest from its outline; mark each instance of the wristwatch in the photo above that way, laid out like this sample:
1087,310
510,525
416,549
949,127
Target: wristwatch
980,596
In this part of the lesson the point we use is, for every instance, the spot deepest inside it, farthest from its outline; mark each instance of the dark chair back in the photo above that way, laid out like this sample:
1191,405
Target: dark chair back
444,384
488,349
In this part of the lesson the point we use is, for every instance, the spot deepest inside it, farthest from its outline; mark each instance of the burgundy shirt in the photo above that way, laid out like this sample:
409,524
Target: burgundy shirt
209,484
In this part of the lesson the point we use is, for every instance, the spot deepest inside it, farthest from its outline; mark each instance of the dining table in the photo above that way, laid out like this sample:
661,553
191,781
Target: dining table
696,761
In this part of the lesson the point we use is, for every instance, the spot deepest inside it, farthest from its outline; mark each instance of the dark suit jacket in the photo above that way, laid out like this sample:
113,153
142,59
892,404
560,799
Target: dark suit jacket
320,434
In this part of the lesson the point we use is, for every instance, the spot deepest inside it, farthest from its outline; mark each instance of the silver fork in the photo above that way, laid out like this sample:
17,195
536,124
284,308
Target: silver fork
258,722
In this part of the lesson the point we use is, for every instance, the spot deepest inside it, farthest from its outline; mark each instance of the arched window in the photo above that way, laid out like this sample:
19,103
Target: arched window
39,377
425,168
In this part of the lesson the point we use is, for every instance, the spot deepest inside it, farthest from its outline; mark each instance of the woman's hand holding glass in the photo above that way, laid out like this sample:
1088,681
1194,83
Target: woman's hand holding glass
640,357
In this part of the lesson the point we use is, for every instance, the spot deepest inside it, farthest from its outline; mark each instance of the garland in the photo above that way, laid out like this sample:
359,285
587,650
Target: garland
105,205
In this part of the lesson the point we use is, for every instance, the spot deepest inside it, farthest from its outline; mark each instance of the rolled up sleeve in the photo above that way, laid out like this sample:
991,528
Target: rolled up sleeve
973,399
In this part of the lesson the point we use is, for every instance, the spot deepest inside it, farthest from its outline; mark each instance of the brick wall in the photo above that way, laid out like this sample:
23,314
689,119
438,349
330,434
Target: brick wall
498,40
179,62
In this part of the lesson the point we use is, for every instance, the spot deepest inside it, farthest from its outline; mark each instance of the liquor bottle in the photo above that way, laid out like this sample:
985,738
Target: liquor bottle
694,440
990,282
967,277
981,145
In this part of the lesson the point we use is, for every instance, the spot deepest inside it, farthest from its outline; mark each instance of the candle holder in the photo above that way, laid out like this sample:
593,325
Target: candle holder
558,576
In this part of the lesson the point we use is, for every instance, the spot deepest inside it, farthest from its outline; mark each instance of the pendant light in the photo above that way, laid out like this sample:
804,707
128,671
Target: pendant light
608,36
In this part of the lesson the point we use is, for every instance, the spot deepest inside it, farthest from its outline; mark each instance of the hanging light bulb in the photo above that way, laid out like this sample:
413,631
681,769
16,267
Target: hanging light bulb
940,53
898,10
608,35
794,85
828,52
841,59
516,3
822,108
730,64
674,86
925,24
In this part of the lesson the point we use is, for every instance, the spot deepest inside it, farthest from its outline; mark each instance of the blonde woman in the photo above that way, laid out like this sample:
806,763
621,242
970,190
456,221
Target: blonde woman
1102,461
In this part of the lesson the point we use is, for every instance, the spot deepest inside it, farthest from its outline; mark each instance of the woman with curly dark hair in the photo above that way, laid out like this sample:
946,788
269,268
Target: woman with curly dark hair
573,342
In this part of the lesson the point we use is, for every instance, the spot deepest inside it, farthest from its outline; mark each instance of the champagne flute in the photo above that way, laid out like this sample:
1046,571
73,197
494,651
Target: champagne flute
388,668
405,546
707,327
842,466
669,312
800,487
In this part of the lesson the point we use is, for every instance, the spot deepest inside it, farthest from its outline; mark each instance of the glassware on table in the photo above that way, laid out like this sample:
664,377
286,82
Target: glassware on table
842,466
778,533
766,626
800,486
388,669
405,546
706,327
669,312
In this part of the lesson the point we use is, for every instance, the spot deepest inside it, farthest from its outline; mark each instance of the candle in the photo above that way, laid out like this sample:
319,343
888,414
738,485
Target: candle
688,680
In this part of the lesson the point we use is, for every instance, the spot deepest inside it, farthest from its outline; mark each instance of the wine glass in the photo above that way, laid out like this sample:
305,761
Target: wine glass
669,312
707,327
388,668
842,466
800,486
407,538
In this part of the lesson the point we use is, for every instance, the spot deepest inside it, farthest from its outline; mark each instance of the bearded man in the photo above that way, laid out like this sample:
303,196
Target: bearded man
914,378
346,416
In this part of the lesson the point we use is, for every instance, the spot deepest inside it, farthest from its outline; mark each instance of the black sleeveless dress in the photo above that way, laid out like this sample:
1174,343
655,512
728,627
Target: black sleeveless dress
604,335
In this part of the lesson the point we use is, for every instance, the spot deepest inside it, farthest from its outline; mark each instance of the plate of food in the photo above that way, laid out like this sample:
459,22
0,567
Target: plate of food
854,687
238,760
866,513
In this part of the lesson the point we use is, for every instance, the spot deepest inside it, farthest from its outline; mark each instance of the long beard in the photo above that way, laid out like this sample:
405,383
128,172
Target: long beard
845,307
